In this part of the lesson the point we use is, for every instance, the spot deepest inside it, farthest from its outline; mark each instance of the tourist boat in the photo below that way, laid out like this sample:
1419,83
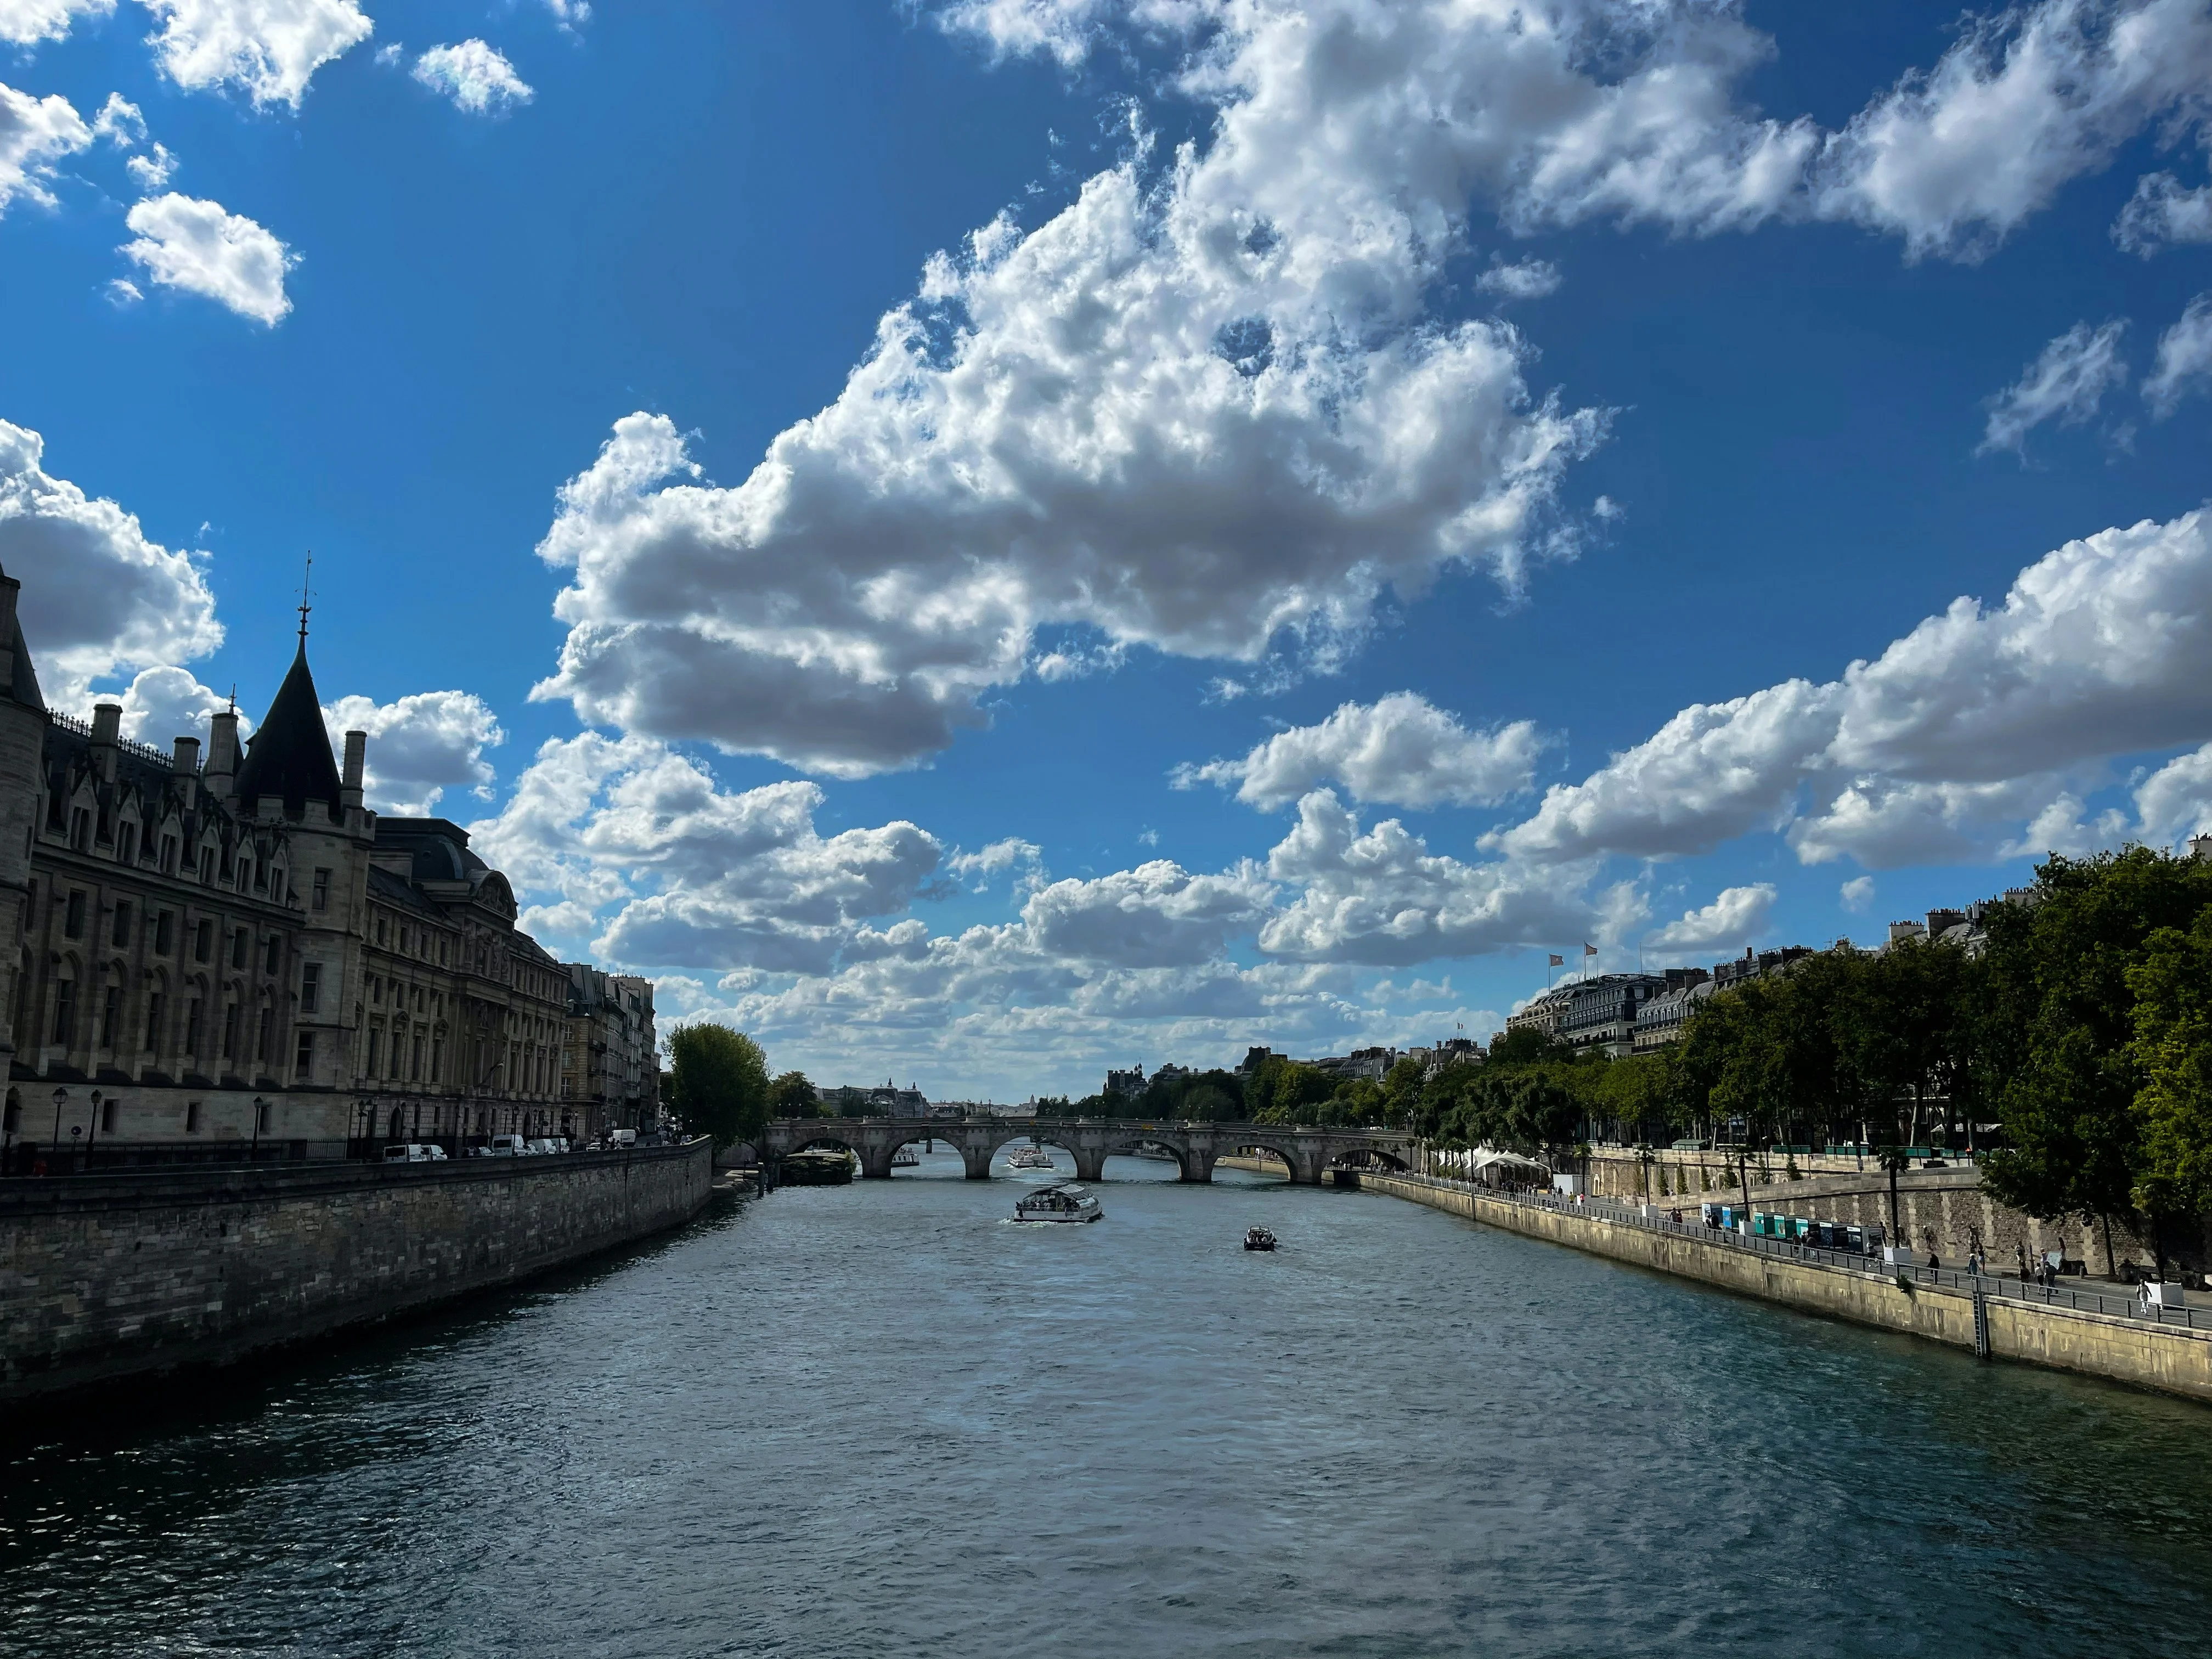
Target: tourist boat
906,1158
1030,1157
1059,1201
1259,1238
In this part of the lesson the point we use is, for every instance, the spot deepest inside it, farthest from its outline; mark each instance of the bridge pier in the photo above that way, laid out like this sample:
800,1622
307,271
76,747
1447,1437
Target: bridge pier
1197,1163
977,1158
1090,1163
875,1159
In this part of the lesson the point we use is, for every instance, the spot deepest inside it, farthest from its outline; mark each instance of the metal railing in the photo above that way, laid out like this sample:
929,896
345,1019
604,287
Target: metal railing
1987,1285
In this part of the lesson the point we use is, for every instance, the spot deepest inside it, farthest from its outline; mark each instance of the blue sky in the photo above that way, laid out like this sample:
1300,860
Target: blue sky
983,540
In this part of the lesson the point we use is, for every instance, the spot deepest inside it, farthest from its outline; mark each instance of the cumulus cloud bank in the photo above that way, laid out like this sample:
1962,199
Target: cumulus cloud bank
1401,749
26,22
105,598
419,746
34,134
269,49
1966,722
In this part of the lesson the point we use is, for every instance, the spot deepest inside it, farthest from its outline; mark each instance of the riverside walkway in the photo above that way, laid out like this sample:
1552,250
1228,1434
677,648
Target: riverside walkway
2102,1334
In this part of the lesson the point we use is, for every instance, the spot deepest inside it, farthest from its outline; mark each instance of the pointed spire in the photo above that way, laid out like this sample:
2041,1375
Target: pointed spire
290,754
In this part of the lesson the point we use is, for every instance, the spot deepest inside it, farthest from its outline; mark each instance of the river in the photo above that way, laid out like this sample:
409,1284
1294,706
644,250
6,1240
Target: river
881,1419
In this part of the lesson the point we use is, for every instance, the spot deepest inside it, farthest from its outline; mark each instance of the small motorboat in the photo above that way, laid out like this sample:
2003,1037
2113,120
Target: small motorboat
1030,1157
1059,1201
1259,1238
906,1158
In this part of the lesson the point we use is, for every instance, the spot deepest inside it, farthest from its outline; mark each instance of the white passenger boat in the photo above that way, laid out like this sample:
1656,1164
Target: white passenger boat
1059,1201
1030,1157
906,1158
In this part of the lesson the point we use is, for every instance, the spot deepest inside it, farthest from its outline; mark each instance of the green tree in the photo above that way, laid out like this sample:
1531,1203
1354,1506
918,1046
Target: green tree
792,1096
718,1082
2172,1054
2059,1051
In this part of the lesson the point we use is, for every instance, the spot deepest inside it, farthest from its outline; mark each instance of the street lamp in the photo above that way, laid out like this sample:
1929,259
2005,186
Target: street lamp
94,1135
60,1099
253,1154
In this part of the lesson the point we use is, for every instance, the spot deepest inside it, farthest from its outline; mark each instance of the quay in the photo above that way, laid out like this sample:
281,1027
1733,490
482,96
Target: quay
2077,1330
108,1278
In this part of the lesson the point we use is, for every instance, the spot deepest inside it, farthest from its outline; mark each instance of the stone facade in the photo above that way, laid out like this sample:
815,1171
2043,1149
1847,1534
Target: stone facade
197,952
609,1061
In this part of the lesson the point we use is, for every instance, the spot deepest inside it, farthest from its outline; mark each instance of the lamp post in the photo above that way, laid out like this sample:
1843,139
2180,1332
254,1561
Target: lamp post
93,1138
253,1154
60,1099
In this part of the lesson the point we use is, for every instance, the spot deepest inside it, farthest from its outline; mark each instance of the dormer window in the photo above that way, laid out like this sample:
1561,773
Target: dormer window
127,844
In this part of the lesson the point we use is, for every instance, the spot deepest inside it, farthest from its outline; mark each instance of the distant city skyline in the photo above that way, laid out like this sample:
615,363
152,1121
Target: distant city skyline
981,543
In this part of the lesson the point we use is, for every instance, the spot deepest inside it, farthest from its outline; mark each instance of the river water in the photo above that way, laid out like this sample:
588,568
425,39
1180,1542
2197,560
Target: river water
882,1419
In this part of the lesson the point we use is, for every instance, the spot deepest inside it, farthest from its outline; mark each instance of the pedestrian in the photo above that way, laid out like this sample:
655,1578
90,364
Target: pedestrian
2021,1251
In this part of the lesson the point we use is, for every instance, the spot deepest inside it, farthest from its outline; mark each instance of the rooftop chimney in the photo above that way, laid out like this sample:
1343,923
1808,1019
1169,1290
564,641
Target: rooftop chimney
184,766
356,762
107,732
222,754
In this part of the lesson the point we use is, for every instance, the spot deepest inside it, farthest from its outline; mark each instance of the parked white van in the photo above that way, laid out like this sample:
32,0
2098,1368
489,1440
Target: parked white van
507,1147
414,1153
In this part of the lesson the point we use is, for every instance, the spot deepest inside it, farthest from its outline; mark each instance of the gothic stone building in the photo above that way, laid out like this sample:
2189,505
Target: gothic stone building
197,951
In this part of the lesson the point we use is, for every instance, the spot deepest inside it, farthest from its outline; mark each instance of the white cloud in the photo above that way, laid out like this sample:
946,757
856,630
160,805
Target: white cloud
99,597
150,172
120,121
1712,772
1530,279
1965,722
1856,895
1069,425
2184,359
2161,213
570,13
676,872
1737,917
1401,749
1381,897
196,245
475,76
26,22
122,291
163,704
419,746
2175,802
34,134
999,858
2066,384
2029,98
1510,102
1156,915
270,48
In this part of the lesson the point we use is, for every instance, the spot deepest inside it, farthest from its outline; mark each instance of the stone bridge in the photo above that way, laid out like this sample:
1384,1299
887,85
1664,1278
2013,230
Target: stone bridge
1310,1152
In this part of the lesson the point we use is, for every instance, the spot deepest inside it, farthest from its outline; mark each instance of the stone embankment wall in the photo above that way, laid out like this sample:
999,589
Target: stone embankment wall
2174,1360
1943,1211
114,1276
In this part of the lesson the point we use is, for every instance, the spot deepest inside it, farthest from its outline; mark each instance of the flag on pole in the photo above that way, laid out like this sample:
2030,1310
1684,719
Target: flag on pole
1559,962
1589,949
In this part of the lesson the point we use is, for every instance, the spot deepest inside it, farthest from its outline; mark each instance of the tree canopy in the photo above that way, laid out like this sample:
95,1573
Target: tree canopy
718,1083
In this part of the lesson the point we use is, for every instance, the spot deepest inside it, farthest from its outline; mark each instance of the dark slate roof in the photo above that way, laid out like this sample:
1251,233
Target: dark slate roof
25,690
395,888
289,755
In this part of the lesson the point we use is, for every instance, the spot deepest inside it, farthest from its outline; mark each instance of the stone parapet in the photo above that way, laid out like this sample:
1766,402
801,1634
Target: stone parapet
2171,1358
114,1276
